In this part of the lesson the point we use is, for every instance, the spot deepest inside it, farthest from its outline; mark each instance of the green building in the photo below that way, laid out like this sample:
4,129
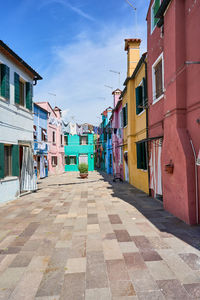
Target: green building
79,149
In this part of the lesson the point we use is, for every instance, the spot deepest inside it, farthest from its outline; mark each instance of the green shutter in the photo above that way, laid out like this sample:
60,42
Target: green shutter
144,87
16,83
139,156
155,9
29,95
126,113
1,160
144,160
138,93
15,160
5,81
67,160
124,116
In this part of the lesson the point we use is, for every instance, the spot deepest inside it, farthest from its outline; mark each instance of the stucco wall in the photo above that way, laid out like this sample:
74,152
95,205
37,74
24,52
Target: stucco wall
9,189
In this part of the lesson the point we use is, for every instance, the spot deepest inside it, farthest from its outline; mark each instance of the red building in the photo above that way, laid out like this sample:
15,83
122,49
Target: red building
174,105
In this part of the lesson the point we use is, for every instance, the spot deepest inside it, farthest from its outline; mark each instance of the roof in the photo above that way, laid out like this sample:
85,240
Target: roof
57,108
127,41
36,104
9,52
123,92
117,106
117,90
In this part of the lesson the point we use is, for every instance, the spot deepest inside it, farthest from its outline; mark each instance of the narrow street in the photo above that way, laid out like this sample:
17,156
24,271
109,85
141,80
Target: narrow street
96,240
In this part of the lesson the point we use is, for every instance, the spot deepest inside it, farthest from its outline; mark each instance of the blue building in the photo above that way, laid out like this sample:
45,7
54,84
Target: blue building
109,149
40,141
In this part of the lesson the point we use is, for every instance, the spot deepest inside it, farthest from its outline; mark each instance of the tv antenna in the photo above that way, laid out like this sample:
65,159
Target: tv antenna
116,72
135,9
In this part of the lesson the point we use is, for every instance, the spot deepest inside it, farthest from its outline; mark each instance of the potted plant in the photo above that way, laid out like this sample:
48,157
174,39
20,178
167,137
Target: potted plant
83,169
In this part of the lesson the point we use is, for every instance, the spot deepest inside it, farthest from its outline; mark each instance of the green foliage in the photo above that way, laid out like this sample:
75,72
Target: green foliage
83,168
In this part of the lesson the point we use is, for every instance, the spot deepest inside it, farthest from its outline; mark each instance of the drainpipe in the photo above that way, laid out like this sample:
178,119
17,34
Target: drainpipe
196,180
147,126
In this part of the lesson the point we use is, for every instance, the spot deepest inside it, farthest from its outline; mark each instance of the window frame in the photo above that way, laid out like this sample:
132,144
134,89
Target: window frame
53,137
69,160
43,136
159,58
53,161
143,160
66,140
82,136
61,140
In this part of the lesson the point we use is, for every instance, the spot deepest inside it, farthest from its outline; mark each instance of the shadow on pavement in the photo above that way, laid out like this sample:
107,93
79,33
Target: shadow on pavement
153,210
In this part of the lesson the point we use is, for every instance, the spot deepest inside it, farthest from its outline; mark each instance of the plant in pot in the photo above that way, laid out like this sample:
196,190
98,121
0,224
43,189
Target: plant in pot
83,169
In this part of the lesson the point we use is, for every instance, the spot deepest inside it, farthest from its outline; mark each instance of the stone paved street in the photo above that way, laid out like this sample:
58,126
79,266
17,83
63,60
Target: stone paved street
96,240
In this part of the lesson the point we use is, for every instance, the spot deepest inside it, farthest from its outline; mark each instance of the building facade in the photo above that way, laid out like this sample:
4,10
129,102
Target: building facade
40,141
55,139
117,135
174,104
79,149
16,124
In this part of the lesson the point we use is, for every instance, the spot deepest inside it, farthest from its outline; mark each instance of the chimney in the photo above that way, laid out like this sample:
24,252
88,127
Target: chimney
132,46
116,94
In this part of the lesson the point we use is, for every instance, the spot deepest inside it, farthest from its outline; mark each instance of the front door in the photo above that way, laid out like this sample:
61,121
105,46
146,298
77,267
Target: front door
83,159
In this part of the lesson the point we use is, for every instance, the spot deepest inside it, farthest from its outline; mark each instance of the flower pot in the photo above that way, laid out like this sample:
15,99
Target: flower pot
83,175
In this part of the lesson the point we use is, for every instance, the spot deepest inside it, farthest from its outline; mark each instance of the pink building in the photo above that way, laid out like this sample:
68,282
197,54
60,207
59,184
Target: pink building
55,139
174,105
117,135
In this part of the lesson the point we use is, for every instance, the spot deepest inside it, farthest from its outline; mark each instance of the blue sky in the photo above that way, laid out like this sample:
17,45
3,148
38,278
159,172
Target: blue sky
73,44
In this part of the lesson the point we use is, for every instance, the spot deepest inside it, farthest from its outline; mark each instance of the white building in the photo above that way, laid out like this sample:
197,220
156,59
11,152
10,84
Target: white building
16,123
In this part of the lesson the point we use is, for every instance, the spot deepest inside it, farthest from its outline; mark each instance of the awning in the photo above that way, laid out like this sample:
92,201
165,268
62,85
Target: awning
150,139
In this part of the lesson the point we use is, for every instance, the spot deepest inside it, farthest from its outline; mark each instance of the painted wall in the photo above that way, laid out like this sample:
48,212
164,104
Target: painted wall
74,148
181,106
9,189
54,149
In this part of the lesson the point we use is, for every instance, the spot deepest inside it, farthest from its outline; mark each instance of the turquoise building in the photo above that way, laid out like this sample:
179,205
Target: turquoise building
79,149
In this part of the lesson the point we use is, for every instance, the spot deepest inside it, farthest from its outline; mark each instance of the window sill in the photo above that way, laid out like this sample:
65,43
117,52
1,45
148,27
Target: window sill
23,108
9,178
158,99
141,113
4,99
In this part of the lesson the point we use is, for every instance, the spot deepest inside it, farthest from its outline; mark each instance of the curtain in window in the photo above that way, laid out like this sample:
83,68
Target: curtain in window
28,179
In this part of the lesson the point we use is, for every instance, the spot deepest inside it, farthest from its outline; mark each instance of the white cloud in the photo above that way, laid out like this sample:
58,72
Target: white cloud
80,70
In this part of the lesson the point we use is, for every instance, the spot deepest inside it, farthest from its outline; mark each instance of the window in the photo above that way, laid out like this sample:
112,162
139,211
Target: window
121,155
43,135
34,132
70,160
84,140
141,96
7,161
110,161
66,140
141,156
4,81
54,161
61,140
125,115
54,137
154,8
158,79
21,92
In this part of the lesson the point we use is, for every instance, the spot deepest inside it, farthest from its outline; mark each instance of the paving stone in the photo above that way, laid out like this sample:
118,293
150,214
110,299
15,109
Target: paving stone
150,255
193,290
73,287
111,250
150,295
160,270
114,219
142,280
172,289
76,265
122,235
122,288
134,261
98,294
22,260
192,260
117,270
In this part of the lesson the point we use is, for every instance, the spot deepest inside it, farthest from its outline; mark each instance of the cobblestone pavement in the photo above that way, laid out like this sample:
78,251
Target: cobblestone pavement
96,240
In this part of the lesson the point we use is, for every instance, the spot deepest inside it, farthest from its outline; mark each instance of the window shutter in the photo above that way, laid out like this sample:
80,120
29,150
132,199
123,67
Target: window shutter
139,156
144,93
155,9
138,93
75,161
15,160
16,83
144,156
126,113
1,160
67,160
5,81
124,116
29,95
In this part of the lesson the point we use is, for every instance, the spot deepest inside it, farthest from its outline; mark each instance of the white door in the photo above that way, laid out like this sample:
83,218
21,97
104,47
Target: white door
83,158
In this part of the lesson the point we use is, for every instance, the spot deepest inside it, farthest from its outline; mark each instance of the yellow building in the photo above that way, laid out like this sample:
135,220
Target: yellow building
134,103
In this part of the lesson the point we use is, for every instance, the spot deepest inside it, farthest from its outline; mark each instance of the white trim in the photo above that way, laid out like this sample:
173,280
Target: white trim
159,58
141,113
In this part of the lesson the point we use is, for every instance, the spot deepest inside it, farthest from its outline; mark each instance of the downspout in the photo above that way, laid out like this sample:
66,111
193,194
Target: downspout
147,126
196,182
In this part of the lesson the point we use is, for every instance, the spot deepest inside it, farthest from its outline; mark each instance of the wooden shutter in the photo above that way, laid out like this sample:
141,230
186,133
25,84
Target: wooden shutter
15,160
29,95
5,81
144,91
139,156
126,113
155,9
138,93
1,160
158,79
124,116
144,156
16,83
